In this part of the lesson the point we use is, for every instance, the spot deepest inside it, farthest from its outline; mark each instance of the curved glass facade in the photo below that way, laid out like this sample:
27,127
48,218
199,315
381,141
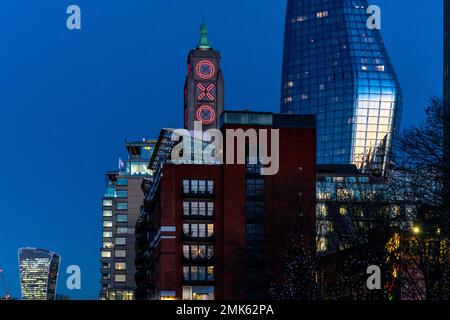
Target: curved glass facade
38,273
337,68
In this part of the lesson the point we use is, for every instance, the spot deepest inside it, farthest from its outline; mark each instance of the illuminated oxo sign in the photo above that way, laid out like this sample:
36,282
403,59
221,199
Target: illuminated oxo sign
205,69
206,115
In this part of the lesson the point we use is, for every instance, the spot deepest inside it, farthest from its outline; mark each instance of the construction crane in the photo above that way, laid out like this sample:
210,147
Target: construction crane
7,295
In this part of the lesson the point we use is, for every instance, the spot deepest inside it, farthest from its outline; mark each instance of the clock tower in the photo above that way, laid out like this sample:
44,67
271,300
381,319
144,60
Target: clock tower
204,86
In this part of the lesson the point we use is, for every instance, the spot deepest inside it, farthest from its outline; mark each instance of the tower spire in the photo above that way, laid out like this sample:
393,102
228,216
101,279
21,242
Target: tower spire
204,42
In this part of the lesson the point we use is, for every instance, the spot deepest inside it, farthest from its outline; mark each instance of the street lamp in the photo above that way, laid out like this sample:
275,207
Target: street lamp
416,230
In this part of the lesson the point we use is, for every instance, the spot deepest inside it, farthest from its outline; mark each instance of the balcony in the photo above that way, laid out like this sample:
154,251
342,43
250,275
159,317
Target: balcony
201,216
191,237
198,193
198,260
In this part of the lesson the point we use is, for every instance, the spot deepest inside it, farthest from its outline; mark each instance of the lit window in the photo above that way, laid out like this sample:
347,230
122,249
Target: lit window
120,278
290,84
107,234
120,254
122,230
107,245
305,96
107,224
122,206
364,68
120,241
107,213
210,275
322,244
302,18
107,203
210,230
379,68
122,218
322,14
120,266
343,210
321,210
106,254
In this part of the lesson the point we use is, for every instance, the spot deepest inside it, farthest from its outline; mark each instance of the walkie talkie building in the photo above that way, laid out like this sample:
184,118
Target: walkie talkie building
38,273
336,67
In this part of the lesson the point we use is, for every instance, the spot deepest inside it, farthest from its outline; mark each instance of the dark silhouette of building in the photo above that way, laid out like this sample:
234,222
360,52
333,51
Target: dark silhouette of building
338,69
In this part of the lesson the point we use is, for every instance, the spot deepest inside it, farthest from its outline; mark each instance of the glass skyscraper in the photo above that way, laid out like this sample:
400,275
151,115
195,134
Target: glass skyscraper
336,67
38,273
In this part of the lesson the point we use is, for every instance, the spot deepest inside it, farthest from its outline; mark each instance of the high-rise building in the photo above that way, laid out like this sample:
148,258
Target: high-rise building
204,86
38,273
220,231
337,68
121,207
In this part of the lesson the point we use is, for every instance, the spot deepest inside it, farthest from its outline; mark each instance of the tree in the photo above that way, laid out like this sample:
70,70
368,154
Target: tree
420,179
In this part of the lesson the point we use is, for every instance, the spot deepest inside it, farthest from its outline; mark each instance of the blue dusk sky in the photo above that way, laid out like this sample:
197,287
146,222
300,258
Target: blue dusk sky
69,99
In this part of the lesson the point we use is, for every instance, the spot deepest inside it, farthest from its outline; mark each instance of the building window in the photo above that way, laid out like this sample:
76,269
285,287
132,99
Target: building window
321,210
120,266
122,230
107,224
106,254
322,244
194,230
322,14
198,186
122,206
255,187
120,254
196,208
107,234
122,182
198,273
107,203
122,218
122,194
198,252
107,245
120,278
120,241
107,213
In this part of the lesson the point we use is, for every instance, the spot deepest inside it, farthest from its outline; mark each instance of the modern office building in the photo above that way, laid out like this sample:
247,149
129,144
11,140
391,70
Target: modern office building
38,273
338,69
220,231
204,85
121,207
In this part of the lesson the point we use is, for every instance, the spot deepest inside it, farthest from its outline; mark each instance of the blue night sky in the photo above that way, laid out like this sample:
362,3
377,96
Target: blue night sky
69,99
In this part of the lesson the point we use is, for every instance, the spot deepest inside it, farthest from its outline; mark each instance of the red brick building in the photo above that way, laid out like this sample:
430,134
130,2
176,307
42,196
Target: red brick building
220,231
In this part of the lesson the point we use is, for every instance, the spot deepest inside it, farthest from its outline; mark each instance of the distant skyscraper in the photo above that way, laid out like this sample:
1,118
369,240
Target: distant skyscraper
121,207
204,87
335,67
38,273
